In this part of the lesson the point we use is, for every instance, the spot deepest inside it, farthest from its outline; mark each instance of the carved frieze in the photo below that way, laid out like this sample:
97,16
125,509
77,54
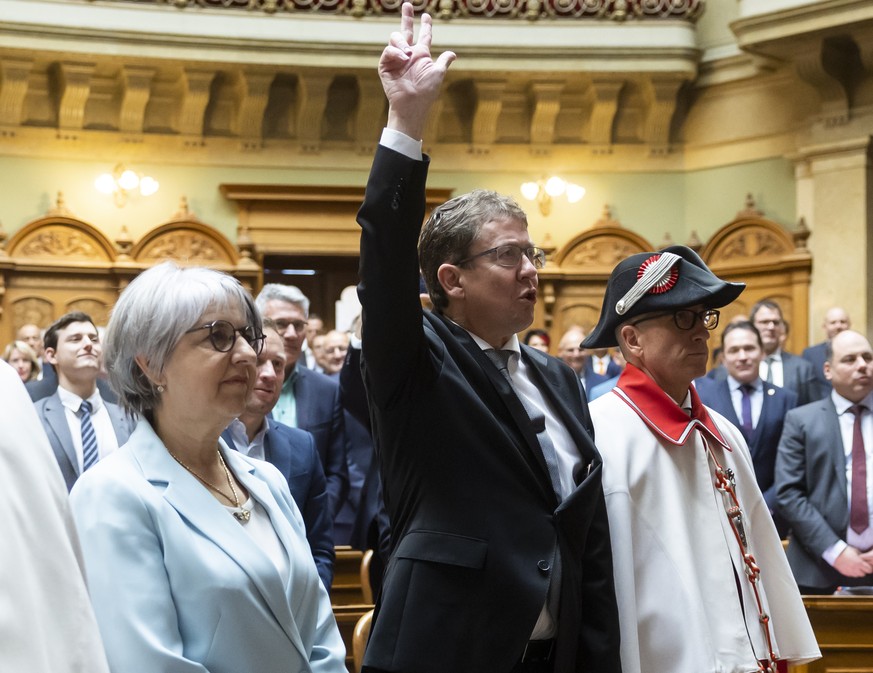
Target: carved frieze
745,244
63,242
95,308
32,310
605,251
184,246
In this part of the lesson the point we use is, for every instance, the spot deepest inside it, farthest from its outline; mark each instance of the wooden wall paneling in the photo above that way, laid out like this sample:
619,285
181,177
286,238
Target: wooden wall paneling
186,240
59,263
772,261
304,220
573,285
56,264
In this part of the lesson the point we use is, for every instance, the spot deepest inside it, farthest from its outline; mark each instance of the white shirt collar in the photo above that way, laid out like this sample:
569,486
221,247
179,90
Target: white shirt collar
842,404
72,401
734,384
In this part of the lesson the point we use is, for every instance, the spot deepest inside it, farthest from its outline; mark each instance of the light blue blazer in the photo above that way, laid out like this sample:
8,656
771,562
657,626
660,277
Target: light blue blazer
178,585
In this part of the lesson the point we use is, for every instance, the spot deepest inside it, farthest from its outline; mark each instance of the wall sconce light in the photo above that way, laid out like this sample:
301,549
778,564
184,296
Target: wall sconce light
122,182
544,190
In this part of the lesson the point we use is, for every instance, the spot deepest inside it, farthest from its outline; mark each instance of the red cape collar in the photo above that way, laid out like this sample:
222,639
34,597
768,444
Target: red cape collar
661,413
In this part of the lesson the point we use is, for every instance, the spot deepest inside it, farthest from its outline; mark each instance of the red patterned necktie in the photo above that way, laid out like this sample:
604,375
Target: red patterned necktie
859,514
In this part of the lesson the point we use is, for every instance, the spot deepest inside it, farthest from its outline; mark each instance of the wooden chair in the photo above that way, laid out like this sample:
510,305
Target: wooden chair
359,639
366,586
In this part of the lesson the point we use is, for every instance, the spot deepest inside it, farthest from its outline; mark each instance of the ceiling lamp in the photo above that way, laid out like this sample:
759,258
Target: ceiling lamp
545,189
123,182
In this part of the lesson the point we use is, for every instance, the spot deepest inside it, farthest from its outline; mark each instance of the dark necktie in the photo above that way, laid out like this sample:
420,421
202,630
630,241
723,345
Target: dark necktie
859,515
89,437
746,407
538,420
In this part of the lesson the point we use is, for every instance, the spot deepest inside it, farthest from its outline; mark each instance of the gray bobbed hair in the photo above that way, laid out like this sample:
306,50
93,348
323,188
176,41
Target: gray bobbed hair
152,315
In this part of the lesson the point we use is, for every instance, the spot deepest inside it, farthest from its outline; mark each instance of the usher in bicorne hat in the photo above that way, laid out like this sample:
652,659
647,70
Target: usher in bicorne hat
673,278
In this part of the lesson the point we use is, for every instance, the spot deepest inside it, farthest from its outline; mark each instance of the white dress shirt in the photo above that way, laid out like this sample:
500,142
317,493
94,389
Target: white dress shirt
240,437
756,398
774,361
862,541
107,442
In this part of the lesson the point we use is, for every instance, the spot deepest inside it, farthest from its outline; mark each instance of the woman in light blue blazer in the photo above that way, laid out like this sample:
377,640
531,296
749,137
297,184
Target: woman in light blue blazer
196,555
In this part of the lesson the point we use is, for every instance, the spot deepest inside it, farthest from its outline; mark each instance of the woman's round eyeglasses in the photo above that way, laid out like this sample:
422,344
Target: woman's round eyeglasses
222,335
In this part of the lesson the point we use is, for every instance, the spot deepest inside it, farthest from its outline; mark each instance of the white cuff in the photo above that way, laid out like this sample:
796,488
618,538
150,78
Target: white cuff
402,143
831,553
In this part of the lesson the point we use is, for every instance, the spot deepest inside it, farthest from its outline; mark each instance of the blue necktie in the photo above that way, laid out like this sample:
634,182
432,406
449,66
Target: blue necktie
746,408
89,437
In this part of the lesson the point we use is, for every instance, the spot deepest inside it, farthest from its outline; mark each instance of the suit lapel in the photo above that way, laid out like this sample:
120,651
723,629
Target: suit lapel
529,449
546,375
302,408
789,372
57,420
833,441
768,412
726,404
203,512
275,452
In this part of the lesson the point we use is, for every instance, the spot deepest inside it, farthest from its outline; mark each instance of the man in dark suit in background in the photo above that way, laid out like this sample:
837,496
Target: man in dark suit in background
836,320
599,368
755,407
291,450
501,559
779,367
823,480
81,425
309,400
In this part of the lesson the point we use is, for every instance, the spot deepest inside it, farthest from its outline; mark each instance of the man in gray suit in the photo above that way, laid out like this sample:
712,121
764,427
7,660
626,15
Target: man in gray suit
823,483
81,426
780,367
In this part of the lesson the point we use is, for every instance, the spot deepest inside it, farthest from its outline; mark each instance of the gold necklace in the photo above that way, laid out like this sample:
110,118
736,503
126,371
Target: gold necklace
241,515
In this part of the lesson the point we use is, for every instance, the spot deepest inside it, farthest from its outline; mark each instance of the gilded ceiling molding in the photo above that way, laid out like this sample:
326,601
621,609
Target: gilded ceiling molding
531,10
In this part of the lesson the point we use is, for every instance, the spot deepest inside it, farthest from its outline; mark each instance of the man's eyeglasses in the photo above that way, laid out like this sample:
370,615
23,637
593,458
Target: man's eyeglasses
769,323
222,334
283,325
510,255
686,319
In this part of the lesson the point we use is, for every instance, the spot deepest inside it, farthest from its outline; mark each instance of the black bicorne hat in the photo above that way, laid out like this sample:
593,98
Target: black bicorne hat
673,278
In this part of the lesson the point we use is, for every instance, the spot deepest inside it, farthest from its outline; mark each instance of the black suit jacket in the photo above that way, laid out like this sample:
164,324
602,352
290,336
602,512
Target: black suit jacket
815,355
319,412
293,452
475,521
811,489
764,439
